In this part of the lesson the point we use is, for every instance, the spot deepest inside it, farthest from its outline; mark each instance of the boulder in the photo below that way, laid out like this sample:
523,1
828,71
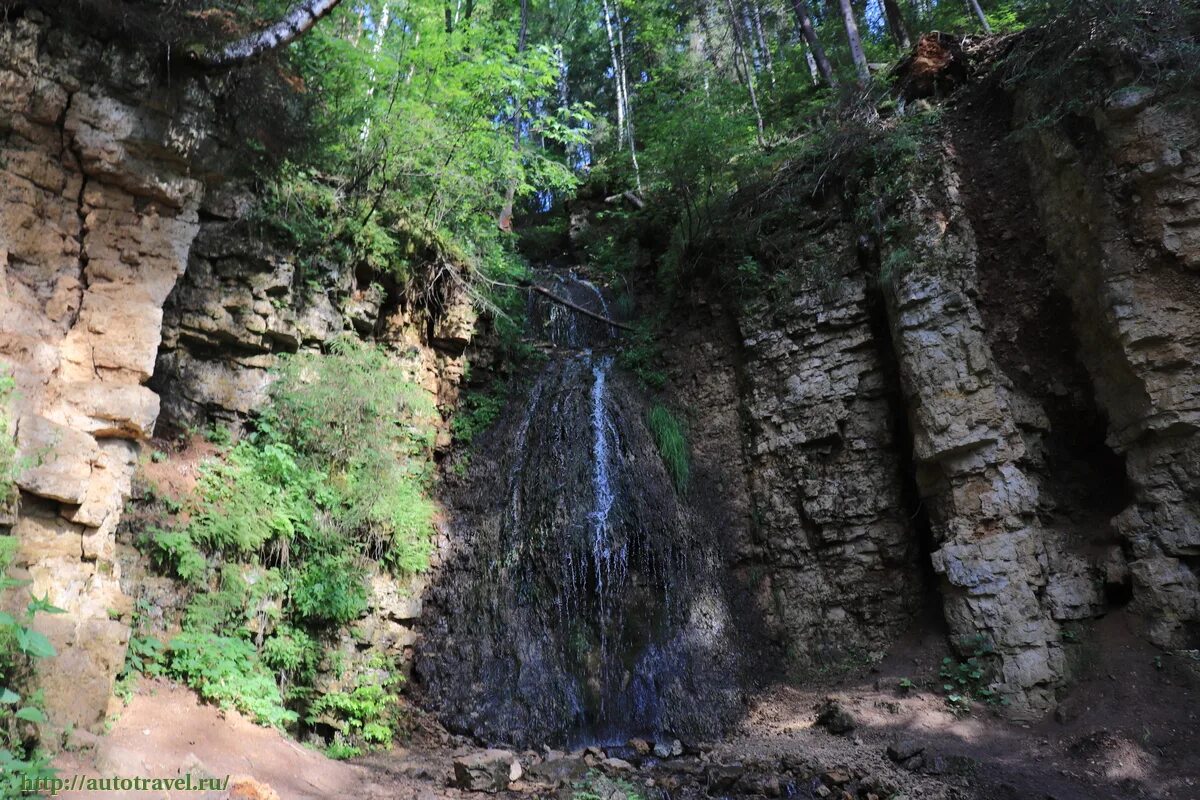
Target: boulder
561,770
487,771
834,718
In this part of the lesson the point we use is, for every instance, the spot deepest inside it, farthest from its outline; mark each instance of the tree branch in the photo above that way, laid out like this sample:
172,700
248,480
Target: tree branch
298,21
565,302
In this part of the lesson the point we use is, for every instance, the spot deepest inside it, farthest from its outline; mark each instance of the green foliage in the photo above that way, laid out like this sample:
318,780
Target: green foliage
355,417
641,354
1068,63
280,534
293,653
256,496
967,679
672,444
21,647
330,589
175,552
227,670
413,149
476,413
597,786
8,448
367,715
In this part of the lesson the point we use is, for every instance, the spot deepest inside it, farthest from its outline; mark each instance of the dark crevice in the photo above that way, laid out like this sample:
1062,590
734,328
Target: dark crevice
1028,320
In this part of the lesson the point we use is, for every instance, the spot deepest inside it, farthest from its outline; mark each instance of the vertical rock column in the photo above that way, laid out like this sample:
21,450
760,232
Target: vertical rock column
1120,205
827,477
97,219
969,457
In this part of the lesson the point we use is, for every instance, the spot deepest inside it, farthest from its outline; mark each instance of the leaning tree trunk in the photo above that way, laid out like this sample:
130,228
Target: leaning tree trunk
856,48
294,24
814,44
895,22
974,7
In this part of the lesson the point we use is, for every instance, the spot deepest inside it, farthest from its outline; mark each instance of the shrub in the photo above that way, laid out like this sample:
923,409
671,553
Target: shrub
367,715
476,413
672,445
259,494
329,590
226,670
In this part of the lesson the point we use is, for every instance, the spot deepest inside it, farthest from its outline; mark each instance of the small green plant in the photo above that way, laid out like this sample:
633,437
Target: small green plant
368,715
21,647
8,449
966,680
597,786
476,413
905,685
641,355
672,445
158,456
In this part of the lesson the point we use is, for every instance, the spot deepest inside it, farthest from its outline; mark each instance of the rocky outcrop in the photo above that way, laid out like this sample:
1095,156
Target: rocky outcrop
98,165
834,531
970,456
245,299
1118,194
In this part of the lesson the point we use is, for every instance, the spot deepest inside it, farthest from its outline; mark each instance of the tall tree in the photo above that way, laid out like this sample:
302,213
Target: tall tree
511,192
856,48
895,23
804,19
974,8
764,46
747,74
616,47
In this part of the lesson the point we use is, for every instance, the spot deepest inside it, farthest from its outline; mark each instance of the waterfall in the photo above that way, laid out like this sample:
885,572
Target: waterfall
583,606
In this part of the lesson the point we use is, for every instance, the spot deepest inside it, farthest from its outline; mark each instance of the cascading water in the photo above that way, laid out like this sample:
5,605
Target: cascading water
582,604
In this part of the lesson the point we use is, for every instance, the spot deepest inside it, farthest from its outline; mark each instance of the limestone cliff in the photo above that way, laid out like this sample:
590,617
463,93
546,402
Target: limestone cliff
116,182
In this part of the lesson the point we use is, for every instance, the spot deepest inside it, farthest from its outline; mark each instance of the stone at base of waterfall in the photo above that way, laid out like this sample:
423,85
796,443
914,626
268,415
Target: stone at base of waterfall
666,748
487,771
640,746
559,769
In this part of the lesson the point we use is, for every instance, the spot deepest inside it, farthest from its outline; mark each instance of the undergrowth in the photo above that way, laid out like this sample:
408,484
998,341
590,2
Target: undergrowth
283,531
21,649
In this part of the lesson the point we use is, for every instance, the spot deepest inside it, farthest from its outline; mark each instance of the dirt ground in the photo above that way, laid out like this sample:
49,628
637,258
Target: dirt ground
1129,729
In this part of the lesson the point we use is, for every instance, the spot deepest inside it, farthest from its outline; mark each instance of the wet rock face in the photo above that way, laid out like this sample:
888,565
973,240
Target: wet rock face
582,603
97,165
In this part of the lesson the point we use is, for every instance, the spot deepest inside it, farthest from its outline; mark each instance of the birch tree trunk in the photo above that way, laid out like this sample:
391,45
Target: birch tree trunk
804,18
856,48
974,7
376,49
812,66
620,26
763,45
297,22
618,84
895,22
